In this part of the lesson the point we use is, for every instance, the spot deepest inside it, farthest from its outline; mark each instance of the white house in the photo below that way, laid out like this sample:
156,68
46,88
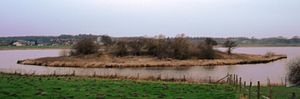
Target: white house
18,44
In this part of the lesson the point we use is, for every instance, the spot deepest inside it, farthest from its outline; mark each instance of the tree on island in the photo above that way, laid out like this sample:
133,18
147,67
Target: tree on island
206,49
161,47
85,46
107,40
230,45
181,47
210,42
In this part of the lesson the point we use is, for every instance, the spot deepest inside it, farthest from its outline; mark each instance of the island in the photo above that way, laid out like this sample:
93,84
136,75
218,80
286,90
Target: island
149,52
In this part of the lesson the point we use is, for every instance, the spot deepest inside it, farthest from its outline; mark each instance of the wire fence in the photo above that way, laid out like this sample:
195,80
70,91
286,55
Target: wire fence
249,91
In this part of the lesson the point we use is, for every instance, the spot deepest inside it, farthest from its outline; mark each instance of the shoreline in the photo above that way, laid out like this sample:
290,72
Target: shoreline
144,62
33,49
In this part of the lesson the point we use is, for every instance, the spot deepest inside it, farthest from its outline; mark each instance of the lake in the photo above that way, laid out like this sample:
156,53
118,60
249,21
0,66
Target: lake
275,71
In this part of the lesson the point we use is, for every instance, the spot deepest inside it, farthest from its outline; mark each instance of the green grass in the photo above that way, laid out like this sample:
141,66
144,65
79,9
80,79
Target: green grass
281,92
33,47
14,86
278,92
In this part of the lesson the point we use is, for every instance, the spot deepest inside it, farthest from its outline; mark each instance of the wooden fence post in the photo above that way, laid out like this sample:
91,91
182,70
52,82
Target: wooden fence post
250,90
237,82
258,90
285,81
270,93
270,89
73,74
230,79
94,75
240,84
236,79
245,92
54,73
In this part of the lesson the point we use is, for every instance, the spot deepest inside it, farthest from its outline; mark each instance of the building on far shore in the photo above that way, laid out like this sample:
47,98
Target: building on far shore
23,43
18,44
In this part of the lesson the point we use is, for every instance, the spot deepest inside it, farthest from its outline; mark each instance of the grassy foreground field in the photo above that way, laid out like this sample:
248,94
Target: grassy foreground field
15,86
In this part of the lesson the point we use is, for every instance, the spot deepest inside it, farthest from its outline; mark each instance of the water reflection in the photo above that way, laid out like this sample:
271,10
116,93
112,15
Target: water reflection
209,68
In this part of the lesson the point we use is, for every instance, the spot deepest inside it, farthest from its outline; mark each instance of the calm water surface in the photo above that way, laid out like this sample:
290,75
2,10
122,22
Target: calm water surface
275,71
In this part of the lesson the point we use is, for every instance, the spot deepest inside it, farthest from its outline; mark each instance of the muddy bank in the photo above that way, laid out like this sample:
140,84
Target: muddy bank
146,61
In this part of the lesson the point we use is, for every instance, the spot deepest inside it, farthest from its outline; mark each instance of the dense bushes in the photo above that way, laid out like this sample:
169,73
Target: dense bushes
161,47
179,47
294,71
120,49
84,46
206,49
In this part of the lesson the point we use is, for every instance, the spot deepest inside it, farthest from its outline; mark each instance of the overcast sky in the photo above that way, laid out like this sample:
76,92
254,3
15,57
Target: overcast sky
213,18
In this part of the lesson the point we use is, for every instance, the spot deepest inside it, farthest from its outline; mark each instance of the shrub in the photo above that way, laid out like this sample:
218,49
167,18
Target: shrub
84,46
206,52
181,46
107,40
269,54
64,52
120,48
161,47
294,71
136,46
210,42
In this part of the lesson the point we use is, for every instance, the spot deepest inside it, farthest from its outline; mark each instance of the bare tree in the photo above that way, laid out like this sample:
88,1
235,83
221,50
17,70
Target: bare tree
181,46
230,45
210,42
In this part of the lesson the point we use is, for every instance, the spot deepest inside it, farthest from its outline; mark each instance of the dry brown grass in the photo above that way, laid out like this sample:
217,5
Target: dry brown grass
108,61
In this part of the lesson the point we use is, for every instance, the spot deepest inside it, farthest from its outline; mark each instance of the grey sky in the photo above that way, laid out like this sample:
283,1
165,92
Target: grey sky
216,18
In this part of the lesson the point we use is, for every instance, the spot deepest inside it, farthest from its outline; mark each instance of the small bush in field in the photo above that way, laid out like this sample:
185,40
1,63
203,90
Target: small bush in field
294,71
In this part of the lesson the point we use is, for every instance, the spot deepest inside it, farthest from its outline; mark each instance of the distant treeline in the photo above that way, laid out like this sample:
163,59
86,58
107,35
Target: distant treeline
242,41
45,40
